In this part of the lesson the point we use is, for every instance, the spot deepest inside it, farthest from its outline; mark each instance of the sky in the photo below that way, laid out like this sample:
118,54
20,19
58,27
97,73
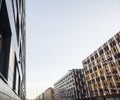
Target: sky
61,34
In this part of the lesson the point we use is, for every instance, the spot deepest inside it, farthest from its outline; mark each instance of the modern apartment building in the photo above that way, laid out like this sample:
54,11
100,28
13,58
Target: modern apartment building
102,70
71,86
49,94
12,50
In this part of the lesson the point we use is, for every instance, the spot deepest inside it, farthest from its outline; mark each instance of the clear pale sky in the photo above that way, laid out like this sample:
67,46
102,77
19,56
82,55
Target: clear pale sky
62,33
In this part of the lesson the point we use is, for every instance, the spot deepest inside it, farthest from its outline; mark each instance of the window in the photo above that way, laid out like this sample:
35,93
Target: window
14,9
101,52
106,48
109,59
90,70
118,39
92,58
0,3
4,55
101,91
117,56
5,38
11,67
0,41
93,81
96,55
98,79
16,17
118,84
112,42
102,78
16,79
99,66
95,68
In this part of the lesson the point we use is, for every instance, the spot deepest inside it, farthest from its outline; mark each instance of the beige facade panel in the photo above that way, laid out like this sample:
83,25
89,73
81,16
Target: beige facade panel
102,69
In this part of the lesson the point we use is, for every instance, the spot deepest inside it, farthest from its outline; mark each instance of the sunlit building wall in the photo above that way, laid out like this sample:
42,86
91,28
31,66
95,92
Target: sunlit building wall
49,94
102,69
12,50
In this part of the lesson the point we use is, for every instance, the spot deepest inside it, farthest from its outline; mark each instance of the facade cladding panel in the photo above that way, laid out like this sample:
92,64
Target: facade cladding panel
71,86
12,50
102,69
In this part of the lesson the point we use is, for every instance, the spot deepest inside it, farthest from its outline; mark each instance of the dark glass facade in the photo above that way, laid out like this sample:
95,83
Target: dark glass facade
12,50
